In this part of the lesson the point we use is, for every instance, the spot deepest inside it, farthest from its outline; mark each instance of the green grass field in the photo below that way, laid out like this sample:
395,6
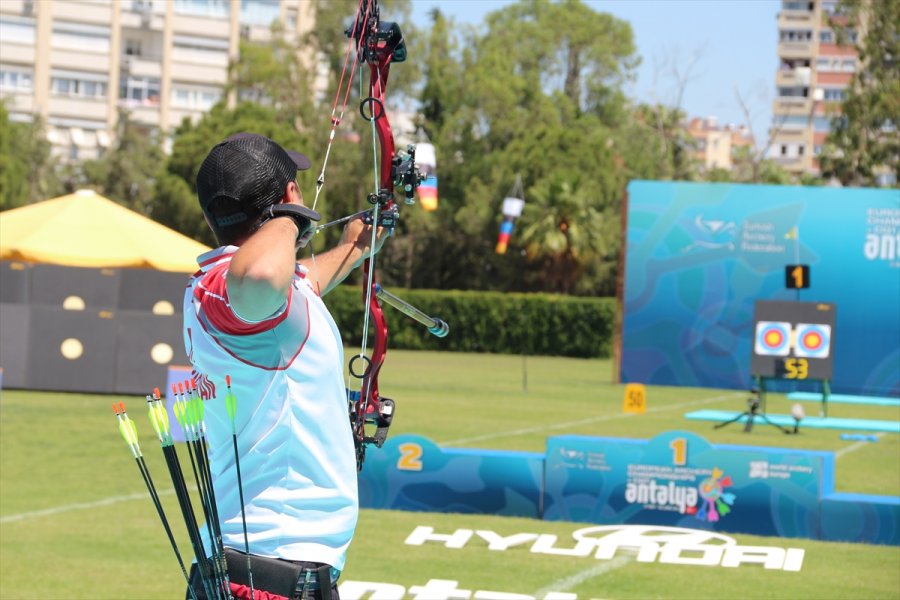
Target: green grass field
76,522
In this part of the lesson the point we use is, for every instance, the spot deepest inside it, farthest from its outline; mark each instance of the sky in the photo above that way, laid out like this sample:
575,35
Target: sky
732,45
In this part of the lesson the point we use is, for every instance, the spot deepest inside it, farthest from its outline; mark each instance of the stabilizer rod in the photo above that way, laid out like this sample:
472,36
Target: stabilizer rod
436,327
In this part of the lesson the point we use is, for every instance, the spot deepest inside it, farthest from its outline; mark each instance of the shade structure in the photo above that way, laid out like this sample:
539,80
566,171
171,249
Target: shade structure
85,229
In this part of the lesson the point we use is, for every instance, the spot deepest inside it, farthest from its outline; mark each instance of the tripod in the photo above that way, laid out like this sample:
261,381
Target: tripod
751,413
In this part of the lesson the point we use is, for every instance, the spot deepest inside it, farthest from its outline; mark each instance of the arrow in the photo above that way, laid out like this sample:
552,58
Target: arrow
159,419
211,510
231,406
129,433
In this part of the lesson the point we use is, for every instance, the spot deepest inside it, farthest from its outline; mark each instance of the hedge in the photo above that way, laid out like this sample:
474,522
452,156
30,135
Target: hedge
502,323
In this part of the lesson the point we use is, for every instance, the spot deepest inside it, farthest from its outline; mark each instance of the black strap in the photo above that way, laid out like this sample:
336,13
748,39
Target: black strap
324,575
278,576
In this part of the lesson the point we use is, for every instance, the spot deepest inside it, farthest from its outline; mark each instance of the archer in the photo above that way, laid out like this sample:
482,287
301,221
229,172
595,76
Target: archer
252,312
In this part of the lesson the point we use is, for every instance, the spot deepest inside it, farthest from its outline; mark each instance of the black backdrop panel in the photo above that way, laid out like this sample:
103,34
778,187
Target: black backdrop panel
15,281
87,337
14,321
52,284
143,289
145,346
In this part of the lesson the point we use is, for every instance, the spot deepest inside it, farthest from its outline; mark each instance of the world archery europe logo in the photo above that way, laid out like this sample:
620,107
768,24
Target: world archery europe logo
716,501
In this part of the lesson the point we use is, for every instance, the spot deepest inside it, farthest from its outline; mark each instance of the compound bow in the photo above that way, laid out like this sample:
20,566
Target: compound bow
378,44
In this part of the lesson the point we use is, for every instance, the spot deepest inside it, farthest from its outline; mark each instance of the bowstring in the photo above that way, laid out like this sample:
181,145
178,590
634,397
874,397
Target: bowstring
336,121
376,91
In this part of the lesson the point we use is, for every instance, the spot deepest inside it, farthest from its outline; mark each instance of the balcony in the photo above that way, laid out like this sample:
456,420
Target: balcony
796,19
144,20
78,108
18,53
792,106
145,114
210,26
96,62
141,66
202,74
793,77
18,100
788,136
795,49
83,12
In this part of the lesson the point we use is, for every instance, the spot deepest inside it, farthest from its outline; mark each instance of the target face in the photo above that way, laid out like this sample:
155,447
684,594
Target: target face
813,340
773,338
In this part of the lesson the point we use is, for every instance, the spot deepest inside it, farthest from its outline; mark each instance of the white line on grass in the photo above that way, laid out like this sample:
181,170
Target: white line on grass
567,583
855,446
565,424
79,506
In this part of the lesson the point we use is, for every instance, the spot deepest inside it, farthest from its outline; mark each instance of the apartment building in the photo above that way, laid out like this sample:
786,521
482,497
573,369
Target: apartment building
714,145
77,62
811,82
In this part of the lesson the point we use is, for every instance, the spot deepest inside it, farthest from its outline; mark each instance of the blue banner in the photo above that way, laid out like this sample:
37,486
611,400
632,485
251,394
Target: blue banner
679,479
700,254
411,472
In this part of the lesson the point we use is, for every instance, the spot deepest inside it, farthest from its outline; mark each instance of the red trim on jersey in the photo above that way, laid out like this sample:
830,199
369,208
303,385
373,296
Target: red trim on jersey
217,257
253,364
212,293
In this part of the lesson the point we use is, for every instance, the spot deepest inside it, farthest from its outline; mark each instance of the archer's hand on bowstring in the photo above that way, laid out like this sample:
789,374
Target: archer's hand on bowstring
333,266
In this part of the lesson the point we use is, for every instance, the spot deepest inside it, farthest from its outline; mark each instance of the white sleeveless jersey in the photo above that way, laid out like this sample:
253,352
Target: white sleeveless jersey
298,462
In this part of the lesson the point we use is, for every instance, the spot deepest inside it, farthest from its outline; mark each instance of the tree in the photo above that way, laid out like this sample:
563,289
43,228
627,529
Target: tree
863,141
128,172
27,170
176,188
538,96
566,230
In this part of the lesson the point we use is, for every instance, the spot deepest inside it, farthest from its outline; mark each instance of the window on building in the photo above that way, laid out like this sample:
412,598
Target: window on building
822,124
817,149
195,98
834,94
795,35
826,36
78,85
196,49
15,80
16,29
800,149
793,122
132,47
806,5
784,150
823,64
75,36
203,8
290,19
260,12
848,65
886,179
139,91
793,92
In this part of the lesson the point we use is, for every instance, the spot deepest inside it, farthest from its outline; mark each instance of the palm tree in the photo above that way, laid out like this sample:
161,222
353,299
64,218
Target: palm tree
565,226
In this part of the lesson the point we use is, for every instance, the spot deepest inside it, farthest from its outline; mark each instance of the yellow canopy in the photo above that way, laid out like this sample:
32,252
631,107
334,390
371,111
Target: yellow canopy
85,229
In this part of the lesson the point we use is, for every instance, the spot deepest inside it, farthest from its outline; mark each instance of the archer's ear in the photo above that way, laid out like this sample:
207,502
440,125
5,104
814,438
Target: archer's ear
290,190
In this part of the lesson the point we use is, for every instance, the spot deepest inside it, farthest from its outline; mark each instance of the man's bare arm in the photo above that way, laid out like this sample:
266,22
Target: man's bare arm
261,271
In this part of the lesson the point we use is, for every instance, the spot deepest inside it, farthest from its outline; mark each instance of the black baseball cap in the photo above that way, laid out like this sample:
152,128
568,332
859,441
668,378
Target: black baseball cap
243,175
